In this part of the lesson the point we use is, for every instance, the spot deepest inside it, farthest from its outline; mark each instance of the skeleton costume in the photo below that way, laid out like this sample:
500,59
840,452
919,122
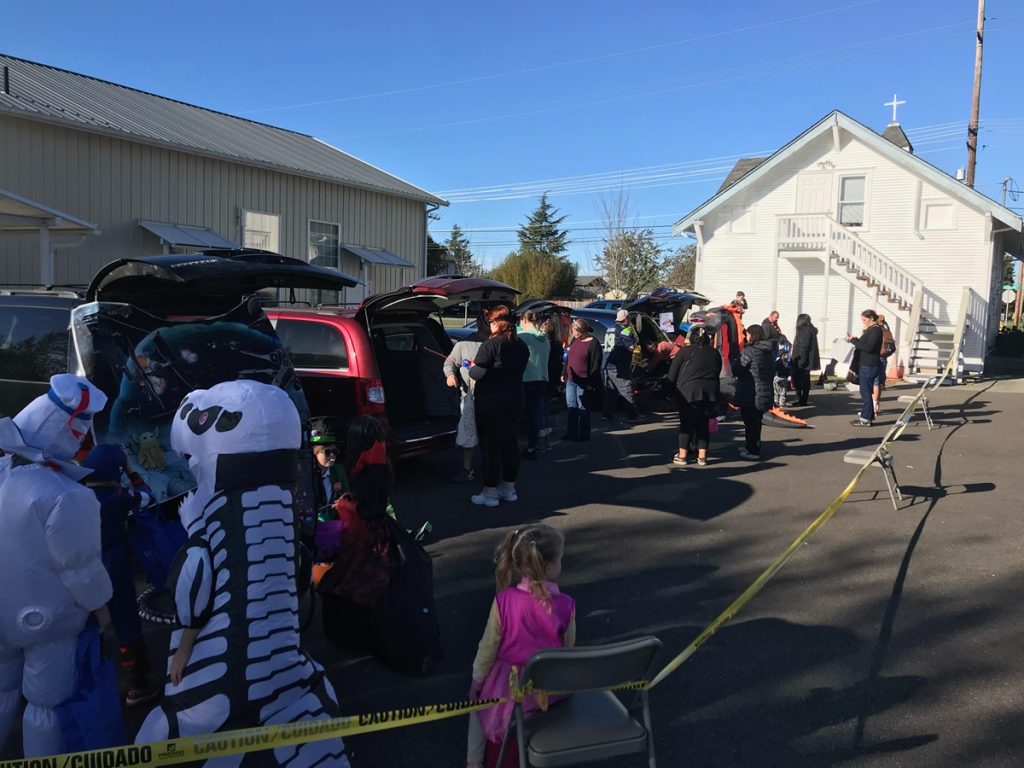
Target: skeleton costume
50,565
236,580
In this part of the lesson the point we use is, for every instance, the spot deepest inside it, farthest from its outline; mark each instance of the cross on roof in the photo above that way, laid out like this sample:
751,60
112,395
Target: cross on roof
893,104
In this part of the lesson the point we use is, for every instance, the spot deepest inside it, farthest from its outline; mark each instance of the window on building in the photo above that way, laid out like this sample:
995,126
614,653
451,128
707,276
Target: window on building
325,244
261,230
937,216
852,190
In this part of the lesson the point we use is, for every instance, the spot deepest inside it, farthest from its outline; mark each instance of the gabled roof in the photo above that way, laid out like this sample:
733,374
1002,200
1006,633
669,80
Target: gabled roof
884,147
743,166
40,92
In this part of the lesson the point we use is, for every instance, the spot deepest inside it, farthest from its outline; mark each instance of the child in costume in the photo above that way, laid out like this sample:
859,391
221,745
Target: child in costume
117,503
783,372
331,482
236,662
365,562
50,567
528,614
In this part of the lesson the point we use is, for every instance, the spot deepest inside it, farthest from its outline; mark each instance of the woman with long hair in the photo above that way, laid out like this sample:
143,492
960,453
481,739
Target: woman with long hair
695,372
806,357
582,379
498,372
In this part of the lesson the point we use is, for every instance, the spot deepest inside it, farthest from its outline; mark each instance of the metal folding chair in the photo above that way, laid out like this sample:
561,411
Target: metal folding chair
593,723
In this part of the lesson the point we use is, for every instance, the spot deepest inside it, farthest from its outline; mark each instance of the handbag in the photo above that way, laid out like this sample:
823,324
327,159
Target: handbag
91,718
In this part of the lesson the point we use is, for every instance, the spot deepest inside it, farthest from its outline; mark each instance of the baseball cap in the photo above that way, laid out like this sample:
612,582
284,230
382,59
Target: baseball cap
621,316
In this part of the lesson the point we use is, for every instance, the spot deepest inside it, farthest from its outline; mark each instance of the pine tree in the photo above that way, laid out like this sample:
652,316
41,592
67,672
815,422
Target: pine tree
437,257
541,233
459,251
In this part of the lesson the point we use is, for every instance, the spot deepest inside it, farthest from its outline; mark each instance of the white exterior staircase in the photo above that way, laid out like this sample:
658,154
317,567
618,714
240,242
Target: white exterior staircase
923,344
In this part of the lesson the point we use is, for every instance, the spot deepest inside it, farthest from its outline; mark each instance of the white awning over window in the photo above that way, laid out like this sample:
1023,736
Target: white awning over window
376,256
185,236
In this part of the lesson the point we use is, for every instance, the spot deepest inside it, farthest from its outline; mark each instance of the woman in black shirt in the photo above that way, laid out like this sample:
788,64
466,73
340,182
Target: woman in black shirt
695,371
498,395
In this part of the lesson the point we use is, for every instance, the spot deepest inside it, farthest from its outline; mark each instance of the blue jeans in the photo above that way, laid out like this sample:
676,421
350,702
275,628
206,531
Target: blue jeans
866,379
574,395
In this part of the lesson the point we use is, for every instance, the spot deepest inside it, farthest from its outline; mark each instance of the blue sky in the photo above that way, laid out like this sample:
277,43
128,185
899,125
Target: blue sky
489,104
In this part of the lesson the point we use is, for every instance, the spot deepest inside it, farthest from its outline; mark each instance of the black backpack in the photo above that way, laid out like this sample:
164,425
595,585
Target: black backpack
408,635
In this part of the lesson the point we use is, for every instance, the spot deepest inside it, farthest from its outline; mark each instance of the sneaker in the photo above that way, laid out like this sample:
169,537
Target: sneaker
464,476
701,462
745,454
485,499
860,423
507,493
140,692
677,459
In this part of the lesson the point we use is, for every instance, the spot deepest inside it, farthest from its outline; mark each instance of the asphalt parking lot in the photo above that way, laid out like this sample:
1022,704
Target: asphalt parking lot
891,638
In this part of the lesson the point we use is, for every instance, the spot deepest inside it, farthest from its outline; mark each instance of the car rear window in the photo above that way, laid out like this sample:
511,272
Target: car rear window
33,342
311,344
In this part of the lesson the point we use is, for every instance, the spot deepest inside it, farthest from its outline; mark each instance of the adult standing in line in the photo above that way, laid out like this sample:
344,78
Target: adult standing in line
772,331
695,371
619,344
869,345
888,348
754,373
582,379
535,378
806,357
456,371
498,373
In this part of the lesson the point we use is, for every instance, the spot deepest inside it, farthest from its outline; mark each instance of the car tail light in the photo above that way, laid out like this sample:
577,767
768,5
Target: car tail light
370,395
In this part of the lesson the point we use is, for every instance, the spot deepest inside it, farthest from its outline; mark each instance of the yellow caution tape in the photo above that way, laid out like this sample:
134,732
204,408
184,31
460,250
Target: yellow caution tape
198,748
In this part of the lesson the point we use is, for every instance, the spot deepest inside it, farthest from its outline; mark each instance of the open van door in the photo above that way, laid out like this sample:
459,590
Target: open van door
667,307
157,328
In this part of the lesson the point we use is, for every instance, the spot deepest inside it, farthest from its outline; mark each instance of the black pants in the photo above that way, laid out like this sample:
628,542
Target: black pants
616,386
752,429
534,393
497,427
693,426
802,383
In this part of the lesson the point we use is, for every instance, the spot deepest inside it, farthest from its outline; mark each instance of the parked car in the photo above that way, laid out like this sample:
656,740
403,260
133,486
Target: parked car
612,304
385,358
649,374
668,308
544,308
33,341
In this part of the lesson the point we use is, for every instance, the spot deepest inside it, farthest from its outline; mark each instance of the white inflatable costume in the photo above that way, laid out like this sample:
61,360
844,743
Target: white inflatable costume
51,573
236,580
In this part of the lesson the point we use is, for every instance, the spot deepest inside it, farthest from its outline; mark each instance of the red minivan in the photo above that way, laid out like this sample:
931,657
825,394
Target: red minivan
385,358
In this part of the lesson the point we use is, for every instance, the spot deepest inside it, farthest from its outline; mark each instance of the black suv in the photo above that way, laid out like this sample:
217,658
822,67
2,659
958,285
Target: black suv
33,341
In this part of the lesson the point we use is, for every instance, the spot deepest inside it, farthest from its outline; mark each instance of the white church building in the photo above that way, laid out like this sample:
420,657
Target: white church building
844,219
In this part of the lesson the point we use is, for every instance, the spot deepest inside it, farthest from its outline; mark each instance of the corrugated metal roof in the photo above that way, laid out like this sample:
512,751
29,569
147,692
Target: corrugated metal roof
49,94
187,236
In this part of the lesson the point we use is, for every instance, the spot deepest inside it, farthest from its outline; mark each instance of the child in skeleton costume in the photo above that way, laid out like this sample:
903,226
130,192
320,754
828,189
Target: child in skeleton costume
50,565
236,663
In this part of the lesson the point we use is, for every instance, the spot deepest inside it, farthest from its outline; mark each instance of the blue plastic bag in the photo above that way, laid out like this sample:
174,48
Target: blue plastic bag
91,718
155,540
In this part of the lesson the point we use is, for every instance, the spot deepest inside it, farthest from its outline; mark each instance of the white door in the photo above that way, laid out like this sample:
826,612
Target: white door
814,192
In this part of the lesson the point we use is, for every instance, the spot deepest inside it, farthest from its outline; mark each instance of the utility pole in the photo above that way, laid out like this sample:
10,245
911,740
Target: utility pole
972,128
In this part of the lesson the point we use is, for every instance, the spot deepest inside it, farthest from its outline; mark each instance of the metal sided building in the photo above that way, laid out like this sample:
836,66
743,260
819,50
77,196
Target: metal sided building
92,171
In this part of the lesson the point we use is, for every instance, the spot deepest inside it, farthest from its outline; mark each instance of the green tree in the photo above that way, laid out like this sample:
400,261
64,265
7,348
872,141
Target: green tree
632,262
681,268
536,275
541,233
437,257
459,251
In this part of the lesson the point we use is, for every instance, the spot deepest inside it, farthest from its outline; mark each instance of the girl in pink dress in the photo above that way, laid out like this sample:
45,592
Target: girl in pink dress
527,615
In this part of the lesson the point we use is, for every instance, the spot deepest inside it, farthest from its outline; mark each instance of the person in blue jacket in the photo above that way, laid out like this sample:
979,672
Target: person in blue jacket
119,500
619,344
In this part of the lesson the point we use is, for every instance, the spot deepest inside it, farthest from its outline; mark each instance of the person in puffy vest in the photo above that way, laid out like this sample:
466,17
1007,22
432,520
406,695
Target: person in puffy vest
619,344
50,565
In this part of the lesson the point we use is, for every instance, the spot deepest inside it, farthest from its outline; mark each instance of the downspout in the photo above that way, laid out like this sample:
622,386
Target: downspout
429,209
698,277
